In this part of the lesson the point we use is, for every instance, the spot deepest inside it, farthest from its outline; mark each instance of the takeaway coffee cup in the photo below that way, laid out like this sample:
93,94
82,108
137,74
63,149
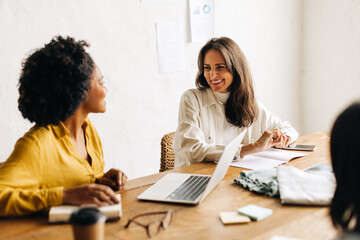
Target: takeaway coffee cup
88,224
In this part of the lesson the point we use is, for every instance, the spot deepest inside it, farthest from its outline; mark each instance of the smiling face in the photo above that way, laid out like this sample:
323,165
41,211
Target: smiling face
95,100
216,73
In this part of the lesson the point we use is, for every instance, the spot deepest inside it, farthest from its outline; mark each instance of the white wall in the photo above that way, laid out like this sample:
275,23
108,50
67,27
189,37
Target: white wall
142,104
269,34
331,63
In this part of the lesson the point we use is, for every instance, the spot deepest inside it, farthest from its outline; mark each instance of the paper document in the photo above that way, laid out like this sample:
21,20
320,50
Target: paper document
202,20
170,47
267,159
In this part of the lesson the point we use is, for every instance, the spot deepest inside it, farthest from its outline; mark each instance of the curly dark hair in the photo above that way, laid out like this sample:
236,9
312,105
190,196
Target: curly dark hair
54,81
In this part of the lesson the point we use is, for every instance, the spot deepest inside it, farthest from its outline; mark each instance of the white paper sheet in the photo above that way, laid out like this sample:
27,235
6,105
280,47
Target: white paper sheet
202,15
170,47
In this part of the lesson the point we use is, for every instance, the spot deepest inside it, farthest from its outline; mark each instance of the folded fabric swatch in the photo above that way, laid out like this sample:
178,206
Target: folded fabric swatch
262,181
315,186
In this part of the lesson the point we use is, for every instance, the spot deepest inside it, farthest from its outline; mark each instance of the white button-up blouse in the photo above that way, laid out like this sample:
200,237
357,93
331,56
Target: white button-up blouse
199,135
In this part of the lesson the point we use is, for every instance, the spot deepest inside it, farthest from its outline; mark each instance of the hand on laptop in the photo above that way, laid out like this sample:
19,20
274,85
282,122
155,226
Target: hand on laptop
114,178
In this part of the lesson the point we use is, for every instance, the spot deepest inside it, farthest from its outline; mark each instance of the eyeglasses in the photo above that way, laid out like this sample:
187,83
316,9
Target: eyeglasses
153,228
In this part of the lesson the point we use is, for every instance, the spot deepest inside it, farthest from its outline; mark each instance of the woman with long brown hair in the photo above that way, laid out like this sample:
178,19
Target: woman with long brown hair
222,106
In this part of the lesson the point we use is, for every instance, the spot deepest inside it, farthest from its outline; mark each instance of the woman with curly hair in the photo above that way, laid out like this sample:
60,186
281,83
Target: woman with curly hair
344,145
223,106
60,159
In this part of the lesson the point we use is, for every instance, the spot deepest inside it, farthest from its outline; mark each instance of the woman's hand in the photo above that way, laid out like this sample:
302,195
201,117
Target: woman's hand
114,178
283,141
270,138
90,194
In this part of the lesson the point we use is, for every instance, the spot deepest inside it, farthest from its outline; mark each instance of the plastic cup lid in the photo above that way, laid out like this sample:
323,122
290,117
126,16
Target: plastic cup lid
87,216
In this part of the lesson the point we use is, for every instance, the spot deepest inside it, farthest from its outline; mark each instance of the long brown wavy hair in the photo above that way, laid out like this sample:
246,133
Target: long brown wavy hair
241,108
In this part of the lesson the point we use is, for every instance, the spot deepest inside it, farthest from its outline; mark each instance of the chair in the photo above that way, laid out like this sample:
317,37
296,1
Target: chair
167,153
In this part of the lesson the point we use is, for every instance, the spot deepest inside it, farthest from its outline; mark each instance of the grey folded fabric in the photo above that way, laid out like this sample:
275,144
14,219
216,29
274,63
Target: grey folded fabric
262,181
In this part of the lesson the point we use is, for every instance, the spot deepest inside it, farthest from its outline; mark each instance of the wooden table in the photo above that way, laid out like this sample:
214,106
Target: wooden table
202,221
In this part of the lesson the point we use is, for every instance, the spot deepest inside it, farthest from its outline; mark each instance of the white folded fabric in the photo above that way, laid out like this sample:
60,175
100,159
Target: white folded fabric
299,187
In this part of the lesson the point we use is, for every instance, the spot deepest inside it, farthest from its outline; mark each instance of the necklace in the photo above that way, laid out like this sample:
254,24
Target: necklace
217,99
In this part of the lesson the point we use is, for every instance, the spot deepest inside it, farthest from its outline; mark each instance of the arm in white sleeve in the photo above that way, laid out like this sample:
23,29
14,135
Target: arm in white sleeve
190,145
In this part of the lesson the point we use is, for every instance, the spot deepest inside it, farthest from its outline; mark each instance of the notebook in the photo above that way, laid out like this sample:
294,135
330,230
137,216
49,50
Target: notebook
63,213
191,188
267,159
233,218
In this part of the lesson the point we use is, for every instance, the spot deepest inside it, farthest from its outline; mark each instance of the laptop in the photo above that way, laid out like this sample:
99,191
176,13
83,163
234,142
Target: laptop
191,188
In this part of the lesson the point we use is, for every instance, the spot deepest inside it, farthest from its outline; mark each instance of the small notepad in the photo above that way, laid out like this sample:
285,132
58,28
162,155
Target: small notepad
233,218
254,212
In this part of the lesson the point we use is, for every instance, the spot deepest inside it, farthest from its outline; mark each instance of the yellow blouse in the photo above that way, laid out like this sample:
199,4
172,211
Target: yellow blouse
43,163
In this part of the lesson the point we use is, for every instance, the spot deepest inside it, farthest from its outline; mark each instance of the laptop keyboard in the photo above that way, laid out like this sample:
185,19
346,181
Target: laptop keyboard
190,189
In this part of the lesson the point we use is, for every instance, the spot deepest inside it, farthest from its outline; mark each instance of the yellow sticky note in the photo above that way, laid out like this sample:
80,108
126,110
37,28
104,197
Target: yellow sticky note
233,218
